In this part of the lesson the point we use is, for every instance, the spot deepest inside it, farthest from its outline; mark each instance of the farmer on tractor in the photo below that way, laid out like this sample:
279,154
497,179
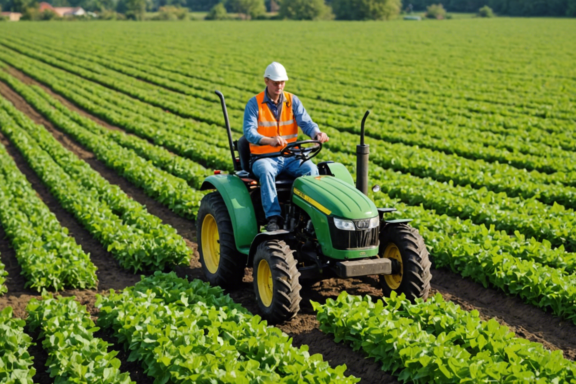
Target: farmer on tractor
271,121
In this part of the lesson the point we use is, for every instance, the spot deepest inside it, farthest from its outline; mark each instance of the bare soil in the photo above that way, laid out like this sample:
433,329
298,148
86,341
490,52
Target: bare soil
525,320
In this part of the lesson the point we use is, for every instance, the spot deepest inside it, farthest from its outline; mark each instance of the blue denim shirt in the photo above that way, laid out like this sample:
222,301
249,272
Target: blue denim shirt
303,120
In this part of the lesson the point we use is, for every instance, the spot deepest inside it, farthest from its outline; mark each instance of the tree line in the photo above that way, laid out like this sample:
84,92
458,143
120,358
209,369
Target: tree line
306,9
502,7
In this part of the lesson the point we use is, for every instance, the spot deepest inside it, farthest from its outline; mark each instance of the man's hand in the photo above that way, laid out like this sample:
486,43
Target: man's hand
276,141
322,137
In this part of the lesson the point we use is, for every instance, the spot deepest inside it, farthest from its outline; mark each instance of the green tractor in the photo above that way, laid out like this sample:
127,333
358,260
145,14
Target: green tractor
331,228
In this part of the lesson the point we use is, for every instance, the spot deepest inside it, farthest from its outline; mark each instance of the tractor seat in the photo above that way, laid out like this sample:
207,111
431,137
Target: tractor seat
282,180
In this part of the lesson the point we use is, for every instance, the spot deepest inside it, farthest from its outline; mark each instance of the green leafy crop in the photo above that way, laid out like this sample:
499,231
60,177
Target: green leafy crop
184,331
49,257
15,360
138,239
67,334
437,342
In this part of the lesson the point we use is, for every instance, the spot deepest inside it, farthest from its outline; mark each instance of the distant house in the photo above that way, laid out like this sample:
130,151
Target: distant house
12,16
62,11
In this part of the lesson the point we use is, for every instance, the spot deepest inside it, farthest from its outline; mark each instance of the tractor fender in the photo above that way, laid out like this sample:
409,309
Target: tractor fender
261,237
240,208
397,221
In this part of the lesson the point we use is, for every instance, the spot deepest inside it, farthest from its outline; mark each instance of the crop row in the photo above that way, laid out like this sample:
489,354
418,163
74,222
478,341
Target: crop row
527,249
195,107
48,256
75,355
459,78
422,162
548,279
167,130
178,166
137,239
484,207
516,214
515,265
184,331
395,103
15,360
437,103
437,342
156,183
464,142
217,159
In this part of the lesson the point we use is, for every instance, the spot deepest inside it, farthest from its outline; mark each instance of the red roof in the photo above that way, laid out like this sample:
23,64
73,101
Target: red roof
44,6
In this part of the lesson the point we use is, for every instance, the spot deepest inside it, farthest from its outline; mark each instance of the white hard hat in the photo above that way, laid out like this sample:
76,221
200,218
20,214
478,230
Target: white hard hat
276,72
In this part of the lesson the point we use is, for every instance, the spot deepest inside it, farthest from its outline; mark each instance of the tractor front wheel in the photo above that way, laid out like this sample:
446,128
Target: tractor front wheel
276,281
412,276
221,262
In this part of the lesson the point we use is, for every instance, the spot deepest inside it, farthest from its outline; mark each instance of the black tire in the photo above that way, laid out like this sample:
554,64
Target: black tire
285,300
415,275
228,271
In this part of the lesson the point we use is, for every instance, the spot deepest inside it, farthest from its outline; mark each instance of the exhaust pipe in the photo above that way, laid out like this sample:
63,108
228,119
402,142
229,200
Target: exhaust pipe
362,154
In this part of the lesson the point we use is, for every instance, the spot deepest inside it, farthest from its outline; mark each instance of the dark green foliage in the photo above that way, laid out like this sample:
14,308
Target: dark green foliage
170,12
248,9
436,11
571,8
504,7
485,11
365,9
218,12
303,9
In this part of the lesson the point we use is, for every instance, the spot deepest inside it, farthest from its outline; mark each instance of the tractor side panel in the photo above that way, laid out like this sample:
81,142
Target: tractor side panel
239,206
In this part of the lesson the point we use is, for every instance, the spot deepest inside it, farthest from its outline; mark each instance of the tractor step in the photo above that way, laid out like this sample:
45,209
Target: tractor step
364,267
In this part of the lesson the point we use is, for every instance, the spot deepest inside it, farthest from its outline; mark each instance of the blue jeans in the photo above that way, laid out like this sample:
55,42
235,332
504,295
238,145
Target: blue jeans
268,168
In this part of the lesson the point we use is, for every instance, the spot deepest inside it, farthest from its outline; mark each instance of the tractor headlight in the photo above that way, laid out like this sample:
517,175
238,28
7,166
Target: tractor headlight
345,225
374,222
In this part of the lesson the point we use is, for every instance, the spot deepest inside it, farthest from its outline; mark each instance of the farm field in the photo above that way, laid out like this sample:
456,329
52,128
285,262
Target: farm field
108,129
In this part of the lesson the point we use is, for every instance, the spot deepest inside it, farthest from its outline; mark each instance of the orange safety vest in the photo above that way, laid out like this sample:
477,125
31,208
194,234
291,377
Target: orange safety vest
268,126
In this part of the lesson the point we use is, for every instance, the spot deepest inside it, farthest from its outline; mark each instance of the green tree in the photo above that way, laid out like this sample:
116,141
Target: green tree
485,11
436,11
303,9
218,12
202,5
366,9
248,9
22,5
136,9
571,8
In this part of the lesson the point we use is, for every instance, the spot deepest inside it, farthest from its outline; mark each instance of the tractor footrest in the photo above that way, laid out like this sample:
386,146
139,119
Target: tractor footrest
364,267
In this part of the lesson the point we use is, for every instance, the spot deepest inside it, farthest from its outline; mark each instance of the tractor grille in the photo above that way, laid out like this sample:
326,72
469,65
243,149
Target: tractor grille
345,240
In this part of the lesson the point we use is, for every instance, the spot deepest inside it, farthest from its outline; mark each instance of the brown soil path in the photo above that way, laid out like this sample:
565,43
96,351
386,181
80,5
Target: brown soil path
527,321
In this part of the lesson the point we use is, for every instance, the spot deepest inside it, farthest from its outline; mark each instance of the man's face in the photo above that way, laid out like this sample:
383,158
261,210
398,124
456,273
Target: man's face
275,88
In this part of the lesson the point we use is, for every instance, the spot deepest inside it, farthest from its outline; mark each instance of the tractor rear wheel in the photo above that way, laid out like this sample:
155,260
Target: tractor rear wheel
221,262
404,244
276,281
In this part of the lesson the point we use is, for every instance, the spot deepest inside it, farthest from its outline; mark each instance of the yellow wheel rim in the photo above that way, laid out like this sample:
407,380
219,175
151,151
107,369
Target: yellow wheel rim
265,283
210,243
392,252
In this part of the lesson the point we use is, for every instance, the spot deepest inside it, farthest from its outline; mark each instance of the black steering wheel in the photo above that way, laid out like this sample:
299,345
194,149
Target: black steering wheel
295,150
303,154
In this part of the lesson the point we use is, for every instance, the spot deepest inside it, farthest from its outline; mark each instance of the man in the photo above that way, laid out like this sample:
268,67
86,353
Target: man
271,121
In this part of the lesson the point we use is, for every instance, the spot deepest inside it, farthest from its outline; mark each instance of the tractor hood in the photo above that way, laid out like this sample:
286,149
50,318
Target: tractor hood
334,197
